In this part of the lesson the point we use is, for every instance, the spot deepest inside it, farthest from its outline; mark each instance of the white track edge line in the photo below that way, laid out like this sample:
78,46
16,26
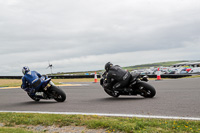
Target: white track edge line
104,114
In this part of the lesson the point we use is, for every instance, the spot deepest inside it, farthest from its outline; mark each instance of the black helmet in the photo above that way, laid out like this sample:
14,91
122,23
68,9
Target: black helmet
107,66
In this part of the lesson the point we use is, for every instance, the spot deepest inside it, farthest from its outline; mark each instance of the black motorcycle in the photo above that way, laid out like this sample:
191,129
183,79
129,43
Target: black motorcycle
48,91
137,86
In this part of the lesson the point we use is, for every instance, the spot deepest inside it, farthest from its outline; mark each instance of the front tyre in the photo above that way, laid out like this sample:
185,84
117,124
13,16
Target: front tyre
58,94
146,90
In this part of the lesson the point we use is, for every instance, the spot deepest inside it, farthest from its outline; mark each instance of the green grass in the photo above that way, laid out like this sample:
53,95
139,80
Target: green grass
13,130
158,64
128,125
18,82
79,73
10,82
195,76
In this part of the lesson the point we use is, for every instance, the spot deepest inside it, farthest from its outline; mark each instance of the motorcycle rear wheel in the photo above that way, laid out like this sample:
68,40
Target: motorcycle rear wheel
58,94
146,89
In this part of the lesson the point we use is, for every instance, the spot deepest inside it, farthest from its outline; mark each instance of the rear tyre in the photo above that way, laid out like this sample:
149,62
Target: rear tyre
34,98
58,94
146,90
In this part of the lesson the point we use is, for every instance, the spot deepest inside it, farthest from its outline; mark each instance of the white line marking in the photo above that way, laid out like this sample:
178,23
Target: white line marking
115,115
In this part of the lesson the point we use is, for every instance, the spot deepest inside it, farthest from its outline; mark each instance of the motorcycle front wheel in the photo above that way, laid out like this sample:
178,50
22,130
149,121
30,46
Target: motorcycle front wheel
58,94
146,90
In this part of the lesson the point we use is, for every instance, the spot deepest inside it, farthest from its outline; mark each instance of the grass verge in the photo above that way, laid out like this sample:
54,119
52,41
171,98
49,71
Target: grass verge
10,82
195,76
113,124
18,82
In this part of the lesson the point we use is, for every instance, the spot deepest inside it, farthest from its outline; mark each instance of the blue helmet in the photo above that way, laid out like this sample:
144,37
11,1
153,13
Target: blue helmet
25,69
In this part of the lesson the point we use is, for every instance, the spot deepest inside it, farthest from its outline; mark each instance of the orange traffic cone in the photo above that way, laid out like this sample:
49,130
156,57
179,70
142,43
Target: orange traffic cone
158,74
95,77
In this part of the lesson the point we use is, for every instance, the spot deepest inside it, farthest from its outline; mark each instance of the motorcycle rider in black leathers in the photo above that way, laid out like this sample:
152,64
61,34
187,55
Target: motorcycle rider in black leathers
119,75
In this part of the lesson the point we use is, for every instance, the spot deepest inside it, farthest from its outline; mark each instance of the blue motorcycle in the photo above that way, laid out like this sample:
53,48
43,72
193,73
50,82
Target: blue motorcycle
48,90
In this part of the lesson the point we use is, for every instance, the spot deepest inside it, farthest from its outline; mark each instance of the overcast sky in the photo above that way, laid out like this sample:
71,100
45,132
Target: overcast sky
81,35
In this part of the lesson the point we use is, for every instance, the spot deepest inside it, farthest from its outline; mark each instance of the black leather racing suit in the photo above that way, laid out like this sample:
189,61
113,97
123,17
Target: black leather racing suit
119,75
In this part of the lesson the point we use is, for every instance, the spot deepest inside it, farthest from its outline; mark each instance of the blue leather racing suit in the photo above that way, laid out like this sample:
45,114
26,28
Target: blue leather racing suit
31,82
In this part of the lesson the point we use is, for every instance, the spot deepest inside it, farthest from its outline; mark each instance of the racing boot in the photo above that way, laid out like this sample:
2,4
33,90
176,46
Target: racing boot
41,95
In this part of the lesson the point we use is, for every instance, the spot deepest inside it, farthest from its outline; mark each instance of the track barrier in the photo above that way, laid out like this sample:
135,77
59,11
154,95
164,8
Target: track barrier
98,76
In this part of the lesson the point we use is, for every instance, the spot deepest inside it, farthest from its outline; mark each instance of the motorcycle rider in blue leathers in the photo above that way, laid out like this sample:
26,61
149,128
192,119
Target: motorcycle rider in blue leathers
31,81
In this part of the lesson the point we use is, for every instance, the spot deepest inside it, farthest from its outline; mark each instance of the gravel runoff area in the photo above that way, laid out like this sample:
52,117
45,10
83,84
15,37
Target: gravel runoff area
56,129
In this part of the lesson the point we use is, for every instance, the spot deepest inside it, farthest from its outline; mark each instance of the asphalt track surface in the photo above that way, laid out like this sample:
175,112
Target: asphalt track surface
175,97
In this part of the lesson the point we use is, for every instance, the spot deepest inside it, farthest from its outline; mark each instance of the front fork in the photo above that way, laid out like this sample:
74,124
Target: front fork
51,83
